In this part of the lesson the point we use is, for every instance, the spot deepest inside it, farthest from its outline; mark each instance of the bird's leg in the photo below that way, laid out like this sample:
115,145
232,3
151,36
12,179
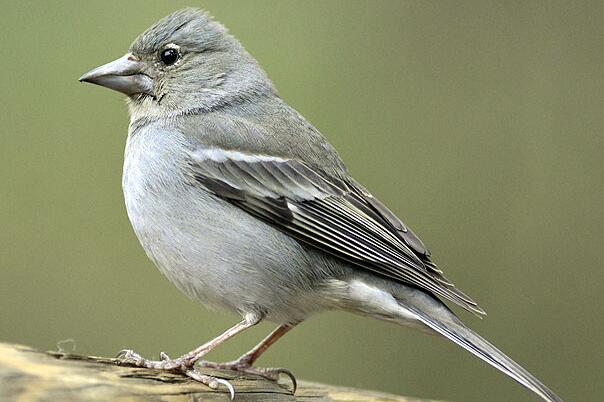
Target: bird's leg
186,362
244,363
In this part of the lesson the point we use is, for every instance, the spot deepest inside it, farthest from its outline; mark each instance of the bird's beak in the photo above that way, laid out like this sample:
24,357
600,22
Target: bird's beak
124,75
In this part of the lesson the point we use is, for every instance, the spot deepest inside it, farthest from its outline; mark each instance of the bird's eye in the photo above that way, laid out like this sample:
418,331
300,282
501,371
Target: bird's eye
169,56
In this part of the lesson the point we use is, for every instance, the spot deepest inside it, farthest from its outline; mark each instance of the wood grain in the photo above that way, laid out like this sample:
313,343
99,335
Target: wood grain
30,375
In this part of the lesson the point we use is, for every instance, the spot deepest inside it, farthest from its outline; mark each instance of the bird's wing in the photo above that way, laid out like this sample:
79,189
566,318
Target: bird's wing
335,215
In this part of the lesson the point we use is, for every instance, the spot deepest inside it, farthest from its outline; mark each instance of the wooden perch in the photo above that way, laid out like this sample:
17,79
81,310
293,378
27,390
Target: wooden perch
28,374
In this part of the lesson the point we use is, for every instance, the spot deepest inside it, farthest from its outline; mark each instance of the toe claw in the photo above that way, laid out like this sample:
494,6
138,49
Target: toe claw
122,353
211,382
228,385
291,376
272,374
163,356
128,356
275,373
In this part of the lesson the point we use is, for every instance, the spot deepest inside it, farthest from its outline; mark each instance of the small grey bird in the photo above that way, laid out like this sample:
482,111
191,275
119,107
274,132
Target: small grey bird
245,206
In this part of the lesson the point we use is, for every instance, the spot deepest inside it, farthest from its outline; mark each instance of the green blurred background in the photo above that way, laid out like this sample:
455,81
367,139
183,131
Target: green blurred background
480,123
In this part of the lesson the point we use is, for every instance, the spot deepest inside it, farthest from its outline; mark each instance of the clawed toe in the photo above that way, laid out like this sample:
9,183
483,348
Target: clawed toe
128,356
183,365
272,374
210,381
289,375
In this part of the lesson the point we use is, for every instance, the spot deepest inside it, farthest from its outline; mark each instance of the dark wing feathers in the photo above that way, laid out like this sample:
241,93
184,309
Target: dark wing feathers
339,217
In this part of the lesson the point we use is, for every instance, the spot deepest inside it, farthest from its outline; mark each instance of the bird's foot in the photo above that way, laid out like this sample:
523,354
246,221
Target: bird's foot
128,356
244,366
184,365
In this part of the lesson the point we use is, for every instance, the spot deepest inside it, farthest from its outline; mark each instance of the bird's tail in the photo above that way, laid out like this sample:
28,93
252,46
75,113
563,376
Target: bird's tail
475,344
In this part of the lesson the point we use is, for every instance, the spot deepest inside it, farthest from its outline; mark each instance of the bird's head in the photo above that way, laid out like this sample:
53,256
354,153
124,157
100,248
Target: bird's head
184,62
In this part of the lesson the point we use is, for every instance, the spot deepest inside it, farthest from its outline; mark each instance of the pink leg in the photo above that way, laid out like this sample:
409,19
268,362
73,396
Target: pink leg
244,363
186,363
193,356
253,355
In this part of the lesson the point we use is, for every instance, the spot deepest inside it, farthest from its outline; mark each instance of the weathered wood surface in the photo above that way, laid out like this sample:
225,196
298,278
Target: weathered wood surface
30,375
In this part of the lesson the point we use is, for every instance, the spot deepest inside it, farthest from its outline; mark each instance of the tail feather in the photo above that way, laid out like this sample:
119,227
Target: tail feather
472,342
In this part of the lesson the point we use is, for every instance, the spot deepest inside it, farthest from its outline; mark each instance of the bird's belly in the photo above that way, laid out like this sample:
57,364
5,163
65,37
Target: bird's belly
211,250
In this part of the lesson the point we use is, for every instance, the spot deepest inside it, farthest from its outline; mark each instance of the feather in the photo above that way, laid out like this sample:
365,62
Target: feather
339,217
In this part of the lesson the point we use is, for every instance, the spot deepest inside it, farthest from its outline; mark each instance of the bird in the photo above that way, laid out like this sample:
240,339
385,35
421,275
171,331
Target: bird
245,206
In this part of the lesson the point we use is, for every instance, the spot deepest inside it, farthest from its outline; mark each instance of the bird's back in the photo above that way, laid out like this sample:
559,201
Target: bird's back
267,125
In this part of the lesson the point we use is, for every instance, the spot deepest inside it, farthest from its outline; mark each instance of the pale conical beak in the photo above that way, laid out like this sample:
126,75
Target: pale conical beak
124,75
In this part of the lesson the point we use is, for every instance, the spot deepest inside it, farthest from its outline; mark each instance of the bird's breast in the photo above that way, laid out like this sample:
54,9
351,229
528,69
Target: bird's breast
165,214
211,250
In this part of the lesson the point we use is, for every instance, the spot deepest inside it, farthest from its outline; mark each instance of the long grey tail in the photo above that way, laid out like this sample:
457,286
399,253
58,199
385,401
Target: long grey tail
472,342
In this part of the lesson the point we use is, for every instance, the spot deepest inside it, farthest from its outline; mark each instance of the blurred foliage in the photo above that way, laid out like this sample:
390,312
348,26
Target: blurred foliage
480,123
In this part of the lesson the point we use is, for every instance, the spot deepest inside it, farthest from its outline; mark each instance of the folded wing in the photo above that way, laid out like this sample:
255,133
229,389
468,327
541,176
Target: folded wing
333,214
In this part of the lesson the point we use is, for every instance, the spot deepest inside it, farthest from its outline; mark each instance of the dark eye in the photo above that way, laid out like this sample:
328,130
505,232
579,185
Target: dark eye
169,56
